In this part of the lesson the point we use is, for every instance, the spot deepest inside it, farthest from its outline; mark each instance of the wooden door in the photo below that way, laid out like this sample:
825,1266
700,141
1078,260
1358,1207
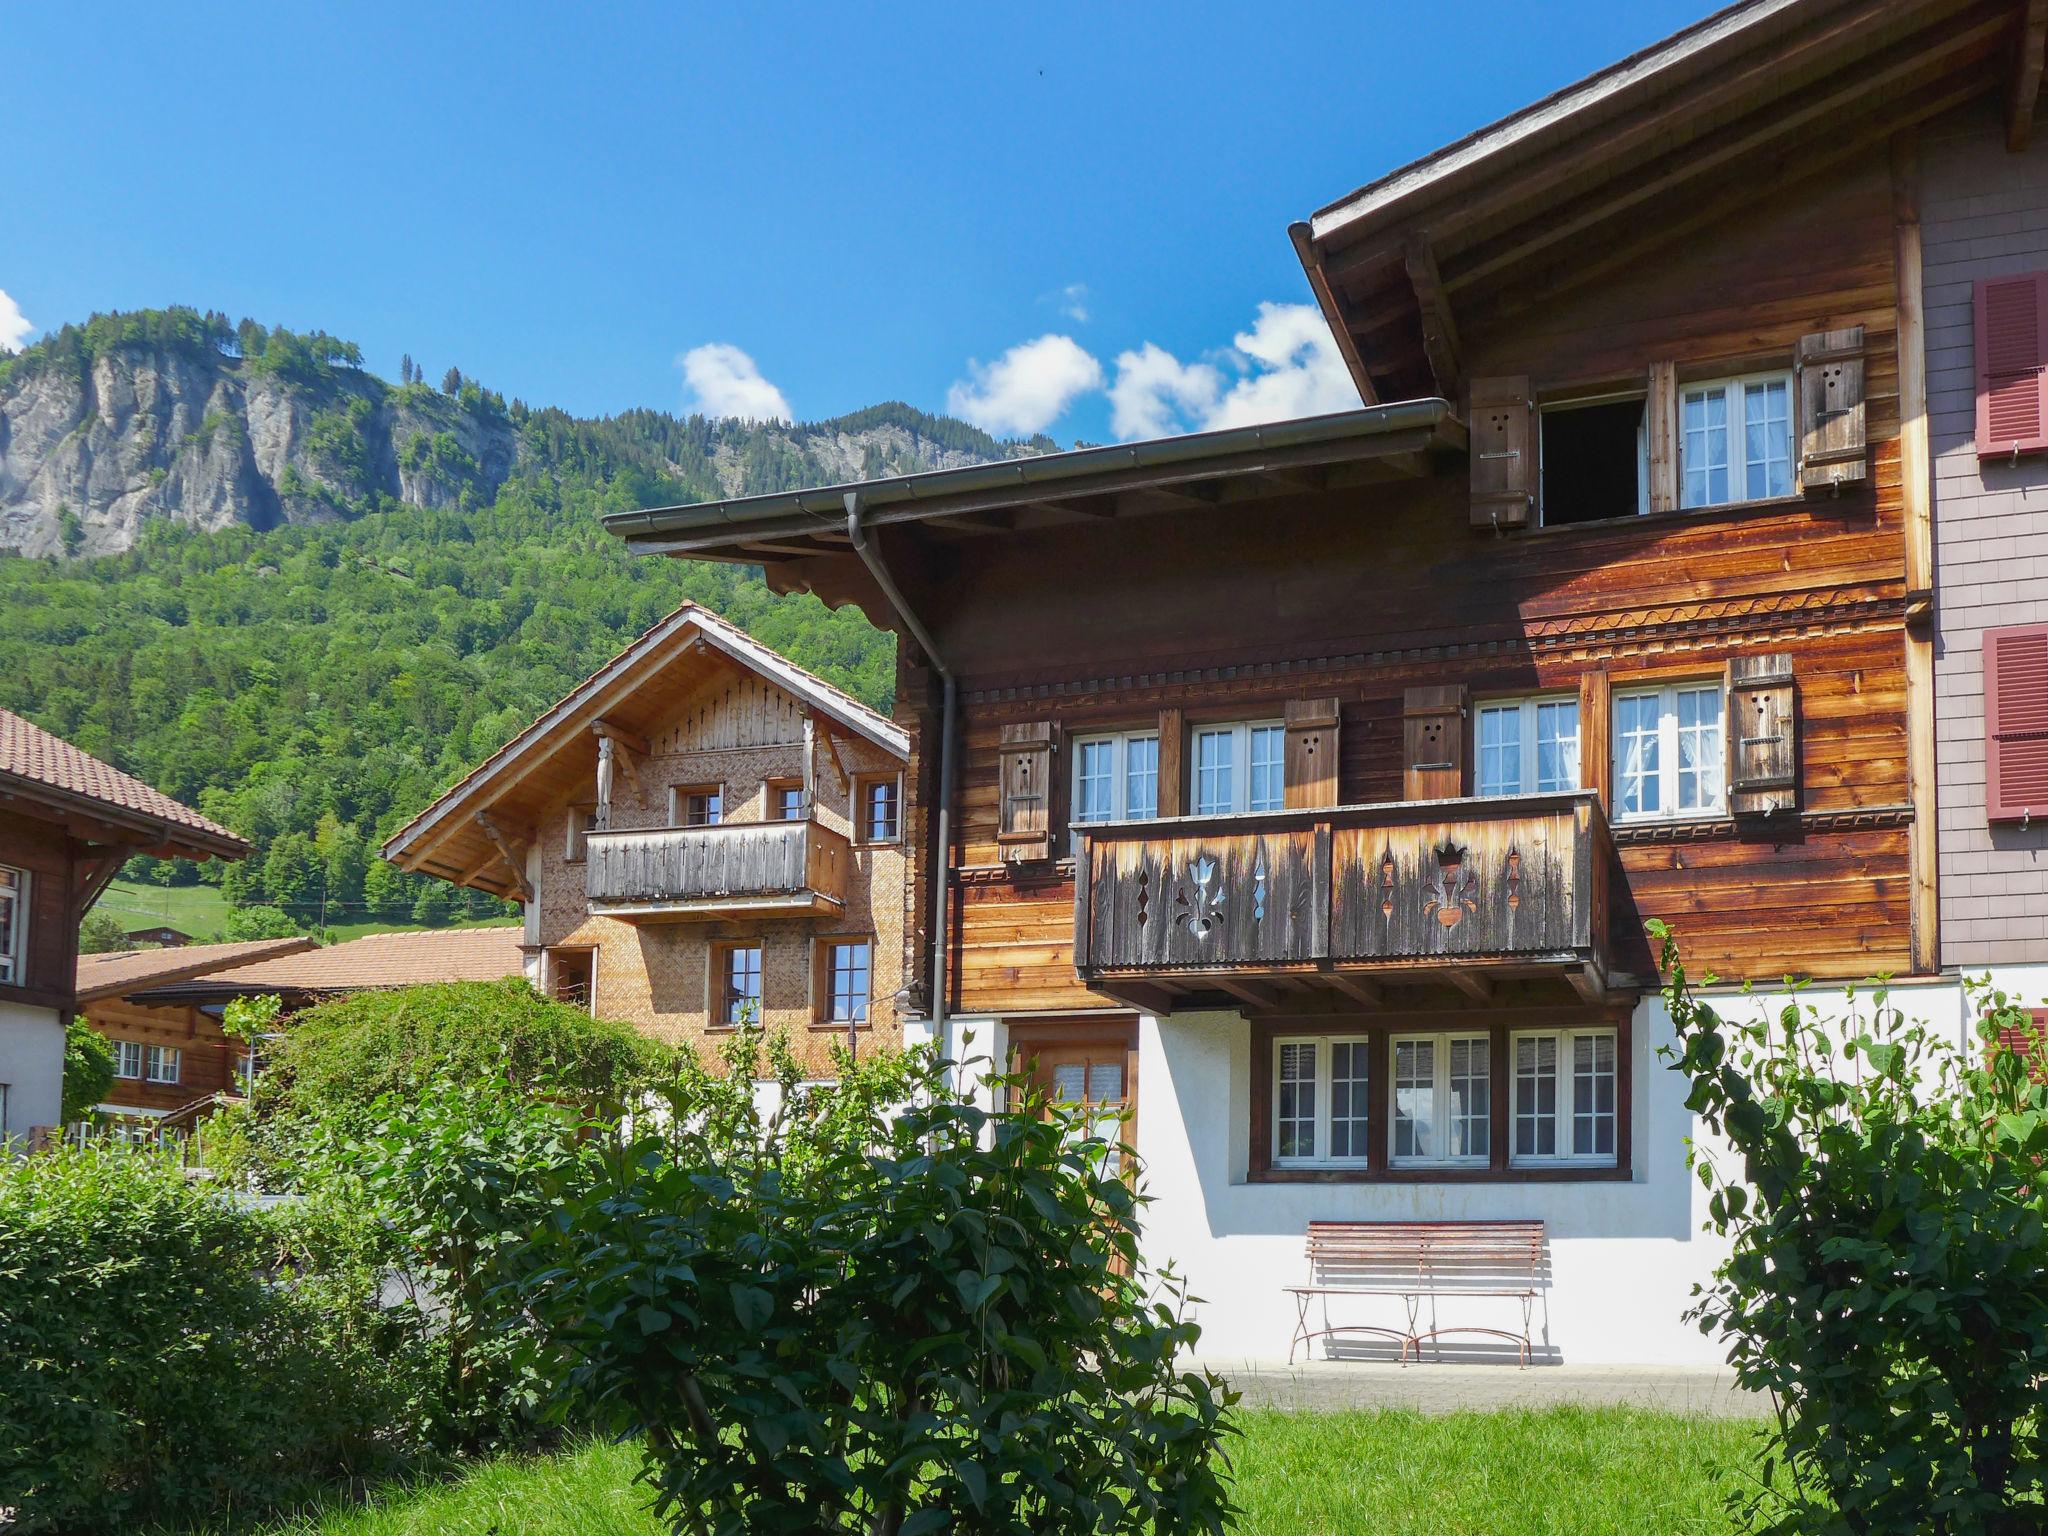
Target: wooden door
1091,1064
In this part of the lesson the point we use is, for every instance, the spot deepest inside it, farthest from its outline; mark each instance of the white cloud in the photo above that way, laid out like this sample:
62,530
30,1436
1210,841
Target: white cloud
14,325
1028,388
1155,392
1073,301
725,381
1286,365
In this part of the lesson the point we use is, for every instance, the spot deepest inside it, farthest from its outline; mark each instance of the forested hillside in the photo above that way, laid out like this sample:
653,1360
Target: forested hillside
313,682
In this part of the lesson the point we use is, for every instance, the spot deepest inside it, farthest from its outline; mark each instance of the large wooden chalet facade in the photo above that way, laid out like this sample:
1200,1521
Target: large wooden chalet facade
1310,784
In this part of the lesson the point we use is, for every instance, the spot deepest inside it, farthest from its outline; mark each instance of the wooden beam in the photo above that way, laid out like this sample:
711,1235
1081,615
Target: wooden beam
1333,314
1471,983
1144,996
990,520
831,740
2024,93
1916,496
1589,983
1252,994
1356,988
632,741
92,874
515,860
1439,330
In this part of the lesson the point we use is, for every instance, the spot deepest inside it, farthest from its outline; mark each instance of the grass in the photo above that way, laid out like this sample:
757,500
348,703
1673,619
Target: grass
200,911
1554,1472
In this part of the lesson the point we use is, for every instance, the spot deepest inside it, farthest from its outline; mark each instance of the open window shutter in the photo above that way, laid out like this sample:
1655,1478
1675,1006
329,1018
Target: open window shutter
1311,752
1025,833
2016,723
1829,381
2030,1041
1433,742
1763,735
1503,453
2012,364
1173,774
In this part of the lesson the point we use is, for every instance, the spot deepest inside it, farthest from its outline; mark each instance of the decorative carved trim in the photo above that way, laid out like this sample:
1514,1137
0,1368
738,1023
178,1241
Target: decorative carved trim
1058,872
1723,829
1587,638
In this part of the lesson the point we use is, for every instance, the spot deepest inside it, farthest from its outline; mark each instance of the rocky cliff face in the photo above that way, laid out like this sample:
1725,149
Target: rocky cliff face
95,445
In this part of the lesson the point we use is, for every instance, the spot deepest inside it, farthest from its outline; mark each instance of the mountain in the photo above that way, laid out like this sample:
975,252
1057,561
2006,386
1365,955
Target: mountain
306,600
173,415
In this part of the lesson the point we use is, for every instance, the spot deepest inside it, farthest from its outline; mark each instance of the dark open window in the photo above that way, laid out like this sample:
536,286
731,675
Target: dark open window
1592,461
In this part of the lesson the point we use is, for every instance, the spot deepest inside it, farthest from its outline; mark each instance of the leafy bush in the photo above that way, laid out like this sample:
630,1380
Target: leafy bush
88,1070
1889,1277
339,1059
831,1318
166,1354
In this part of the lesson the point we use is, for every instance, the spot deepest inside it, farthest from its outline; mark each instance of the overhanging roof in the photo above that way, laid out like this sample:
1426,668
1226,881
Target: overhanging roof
1203,469
633,691
1658,147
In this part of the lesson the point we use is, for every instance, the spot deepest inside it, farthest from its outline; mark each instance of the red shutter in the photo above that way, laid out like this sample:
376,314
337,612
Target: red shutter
2029,1042
2016,722
2012,364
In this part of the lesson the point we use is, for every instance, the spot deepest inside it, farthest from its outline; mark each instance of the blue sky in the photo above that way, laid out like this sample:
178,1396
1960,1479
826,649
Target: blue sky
1055,216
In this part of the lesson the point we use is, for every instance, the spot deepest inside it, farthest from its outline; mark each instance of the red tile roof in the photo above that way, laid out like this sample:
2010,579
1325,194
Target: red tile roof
32,760
379,960
128,970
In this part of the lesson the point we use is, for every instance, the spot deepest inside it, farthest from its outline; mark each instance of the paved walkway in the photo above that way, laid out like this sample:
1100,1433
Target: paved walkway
1323,1386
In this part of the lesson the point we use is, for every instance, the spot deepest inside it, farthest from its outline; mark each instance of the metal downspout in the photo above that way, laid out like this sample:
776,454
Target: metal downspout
941,884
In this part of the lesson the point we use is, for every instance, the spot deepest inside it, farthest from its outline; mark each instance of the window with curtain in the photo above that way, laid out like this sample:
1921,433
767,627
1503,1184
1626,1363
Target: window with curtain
1238,767
1670,752
1526,746
1735,440
1566,1096
1442,1099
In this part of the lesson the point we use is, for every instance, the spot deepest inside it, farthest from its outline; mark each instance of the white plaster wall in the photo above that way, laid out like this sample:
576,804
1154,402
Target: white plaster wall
32,1066
1625,1256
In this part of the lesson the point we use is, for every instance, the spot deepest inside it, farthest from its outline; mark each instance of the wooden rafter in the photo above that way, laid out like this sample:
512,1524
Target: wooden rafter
1357,988
513,855
1439,330
1333,313
2024,94
1253,994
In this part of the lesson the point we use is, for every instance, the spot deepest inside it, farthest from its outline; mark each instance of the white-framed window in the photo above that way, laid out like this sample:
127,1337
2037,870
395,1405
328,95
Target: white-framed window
1320,1106
128,1059
1239,767
1116,776
847,972
1442,1100
1735,440
785,801
1565,1097
1526,746
1670,753
881,806
13,924
163,1064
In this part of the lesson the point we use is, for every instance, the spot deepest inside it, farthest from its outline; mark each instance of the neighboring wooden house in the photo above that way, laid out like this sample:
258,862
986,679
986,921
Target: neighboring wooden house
162,1009
701,832
163,936
68,822
171,1060
1305,787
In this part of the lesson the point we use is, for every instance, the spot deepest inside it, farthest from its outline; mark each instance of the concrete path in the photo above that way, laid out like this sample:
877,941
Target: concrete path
1323,1386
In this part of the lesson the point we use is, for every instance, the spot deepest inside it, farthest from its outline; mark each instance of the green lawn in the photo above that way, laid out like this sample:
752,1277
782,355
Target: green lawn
200,911
1559,1472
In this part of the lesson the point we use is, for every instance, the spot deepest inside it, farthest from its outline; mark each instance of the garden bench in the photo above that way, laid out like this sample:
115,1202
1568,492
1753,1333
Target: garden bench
1419,1261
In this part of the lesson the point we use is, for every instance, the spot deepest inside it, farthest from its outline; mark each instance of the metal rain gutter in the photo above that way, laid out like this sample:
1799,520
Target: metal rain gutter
941,884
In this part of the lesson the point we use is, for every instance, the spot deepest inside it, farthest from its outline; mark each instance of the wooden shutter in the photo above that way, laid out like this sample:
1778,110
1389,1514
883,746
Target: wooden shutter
1433,742
1173,773
1763,735
2031,1042
1311,752
1660,435
1025,833
2012,364
2016,723
1503,453
1829,382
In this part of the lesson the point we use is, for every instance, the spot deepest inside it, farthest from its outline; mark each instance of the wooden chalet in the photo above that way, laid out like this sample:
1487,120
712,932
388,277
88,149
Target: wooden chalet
68,822
702,833
1306,787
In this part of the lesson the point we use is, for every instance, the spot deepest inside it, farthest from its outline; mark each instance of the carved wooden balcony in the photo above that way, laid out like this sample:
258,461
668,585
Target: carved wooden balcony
1345,903
670,874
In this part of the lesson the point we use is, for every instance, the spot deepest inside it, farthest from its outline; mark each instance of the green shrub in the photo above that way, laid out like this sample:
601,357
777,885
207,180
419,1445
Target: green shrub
830,1318
166,1354
1888,1283
88,1070
336,1061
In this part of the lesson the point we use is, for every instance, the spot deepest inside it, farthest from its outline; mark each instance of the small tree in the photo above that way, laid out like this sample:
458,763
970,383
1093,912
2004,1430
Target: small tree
101,933
88,1070
831,1318
1888,1284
